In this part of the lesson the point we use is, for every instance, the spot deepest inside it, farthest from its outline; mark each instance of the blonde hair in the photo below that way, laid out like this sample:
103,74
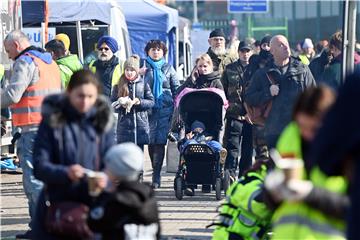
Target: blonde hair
206,58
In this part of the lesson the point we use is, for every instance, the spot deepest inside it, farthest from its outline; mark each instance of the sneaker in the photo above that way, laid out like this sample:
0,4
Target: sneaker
26,235
223,154
189,192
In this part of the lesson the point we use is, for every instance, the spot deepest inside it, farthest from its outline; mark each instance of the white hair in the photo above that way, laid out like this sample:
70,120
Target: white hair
18,36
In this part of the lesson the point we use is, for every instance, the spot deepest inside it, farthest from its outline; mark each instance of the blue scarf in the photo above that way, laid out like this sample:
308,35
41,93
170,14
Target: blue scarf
158,77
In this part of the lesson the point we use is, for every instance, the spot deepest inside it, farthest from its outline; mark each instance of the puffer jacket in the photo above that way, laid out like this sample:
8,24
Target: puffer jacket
66,137
126,121
296,79
234,83
159,118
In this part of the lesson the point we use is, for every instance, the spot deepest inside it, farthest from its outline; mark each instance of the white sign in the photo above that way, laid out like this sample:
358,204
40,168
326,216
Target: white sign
34,35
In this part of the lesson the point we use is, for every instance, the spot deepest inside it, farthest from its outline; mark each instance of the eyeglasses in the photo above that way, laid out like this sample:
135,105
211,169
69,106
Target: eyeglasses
104,48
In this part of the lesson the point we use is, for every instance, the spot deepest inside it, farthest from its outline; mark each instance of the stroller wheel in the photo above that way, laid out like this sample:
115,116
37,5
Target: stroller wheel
226,180
218,188
178,188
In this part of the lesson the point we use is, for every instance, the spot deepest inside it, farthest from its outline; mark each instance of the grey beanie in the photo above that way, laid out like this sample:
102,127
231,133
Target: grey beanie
125,160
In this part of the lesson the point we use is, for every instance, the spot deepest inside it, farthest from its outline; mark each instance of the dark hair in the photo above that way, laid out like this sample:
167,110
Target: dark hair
336,40
314,101
56,46
257,166
155,44
82,77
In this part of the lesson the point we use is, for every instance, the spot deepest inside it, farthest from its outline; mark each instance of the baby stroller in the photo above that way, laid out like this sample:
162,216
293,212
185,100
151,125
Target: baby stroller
198,163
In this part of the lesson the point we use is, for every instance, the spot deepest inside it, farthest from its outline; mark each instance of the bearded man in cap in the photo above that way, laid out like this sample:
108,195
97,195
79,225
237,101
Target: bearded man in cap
107,66
238,132
217,51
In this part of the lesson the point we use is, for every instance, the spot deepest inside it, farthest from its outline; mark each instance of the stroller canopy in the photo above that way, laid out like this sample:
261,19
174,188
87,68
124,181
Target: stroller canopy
207,105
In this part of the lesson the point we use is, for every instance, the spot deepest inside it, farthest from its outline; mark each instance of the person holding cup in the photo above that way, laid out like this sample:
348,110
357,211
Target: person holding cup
75,132
309,204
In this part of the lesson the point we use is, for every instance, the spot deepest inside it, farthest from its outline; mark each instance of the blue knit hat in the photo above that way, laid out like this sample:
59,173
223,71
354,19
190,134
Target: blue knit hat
110,41
197,124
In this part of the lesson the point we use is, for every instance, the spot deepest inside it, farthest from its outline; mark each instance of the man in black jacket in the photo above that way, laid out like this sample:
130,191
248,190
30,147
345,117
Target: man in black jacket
238,132
280,82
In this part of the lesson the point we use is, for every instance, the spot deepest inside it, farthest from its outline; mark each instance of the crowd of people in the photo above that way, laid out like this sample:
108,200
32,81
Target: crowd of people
83,130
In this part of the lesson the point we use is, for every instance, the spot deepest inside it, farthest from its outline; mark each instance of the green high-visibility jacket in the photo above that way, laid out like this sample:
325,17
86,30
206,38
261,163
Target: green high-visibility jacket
242,215
68,65
297,220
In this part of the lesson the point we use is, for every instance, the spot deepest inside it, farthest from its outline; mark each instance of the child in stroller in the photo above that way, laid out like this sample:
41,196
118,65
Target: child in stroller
197,135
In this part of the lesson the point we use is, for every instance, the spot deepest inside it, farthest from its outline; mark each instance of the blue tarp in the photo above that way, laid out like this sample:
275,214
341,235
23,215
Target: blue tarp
147,20
65,11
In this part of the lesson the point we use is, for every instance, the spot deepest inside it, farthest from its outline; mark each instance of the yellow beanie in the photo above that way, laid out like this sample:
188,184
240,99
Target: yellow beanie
64,38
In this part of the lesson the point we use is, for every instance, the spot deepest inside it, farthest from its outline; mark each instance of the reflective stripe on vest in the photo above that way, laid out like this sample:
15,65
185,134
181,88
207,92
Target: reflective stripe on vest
28,110
116,74
2,71
322,228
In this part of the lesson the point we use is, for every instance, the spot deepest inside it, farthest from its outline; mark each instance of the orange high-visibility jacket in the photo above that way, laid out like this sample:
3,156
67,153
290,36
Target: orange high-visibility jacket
28,110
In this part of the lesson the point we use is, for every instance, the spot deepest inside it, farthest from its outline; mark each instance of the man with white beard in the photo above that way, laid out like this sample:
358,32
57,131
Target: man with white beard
217,51
107,66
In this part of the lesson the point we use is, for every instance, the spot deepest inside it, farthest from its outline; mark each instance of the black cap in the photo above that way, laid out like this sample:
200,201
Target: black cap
266,39
217,33
245,45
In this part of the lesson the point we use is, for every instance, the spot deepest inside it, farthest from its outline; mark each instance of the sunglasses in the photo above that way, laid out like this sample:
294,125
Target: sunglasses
104,48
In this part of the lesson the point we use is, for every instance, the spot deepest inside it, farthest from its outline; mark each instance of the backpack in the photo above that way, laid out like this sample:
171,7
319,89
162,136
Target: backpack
257,114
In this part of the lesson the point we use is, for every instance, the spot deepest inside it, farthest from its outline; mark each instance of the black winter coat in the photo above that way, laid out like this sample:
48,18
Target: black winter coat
132,203
211,80
295,80
139,113
159,118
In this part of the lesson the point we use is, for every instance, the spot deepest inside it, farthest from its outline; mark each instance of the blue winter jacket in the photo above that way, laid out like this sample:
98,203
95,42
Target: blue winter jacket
126,121
160,118
66,137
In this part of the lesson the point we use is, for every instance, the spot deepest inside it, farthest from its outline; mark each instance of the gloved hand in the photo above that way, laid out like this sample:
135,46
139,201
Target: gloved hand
274,90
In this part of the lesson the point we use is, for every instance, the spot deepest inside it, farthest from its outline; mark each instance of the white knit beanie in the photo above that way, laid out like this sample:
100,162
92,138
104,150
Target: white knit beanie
307,43
125,160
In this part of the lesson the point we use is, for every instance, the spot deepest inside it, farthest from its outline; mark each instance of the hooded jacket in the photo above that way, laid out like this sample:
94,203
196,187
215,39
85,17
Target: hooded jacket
25,72
68,65
132,203
66,137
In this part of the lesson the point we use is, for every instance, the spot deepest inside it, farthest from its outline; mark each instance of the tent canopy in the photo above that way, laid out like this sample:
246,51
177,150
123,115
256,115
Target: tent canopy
148,20
66,11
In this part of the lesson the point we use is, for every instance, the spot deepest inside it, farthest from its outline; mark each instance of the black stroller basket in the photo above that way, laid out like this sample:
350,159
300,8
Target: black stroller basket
201,164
